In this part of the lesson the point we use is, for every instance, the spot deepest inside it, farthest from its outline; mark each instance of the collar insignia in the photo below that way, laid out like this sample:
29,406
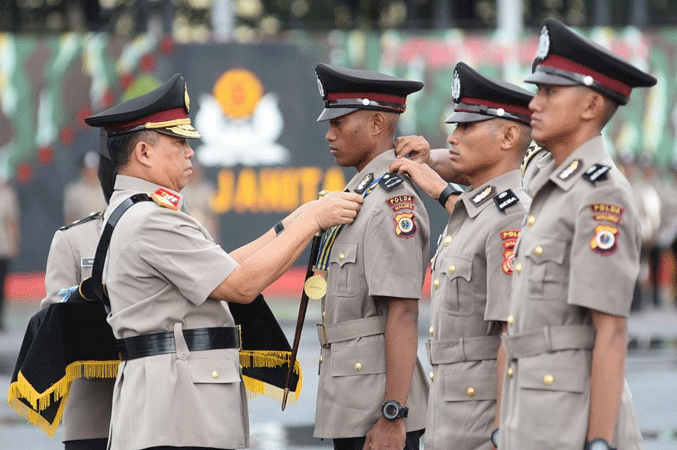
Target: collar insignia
574,167
166,199
364,184
483,196
596,172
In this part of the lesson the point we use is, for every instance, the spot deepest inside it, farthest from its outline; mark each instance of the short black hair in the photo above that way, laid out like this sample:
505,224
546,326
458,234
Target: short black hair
120,146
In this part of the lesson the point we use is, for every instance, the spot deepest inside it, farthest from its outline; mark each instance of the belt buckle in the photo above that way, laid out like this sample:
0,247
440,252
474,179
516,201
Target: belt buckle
324,344
239,337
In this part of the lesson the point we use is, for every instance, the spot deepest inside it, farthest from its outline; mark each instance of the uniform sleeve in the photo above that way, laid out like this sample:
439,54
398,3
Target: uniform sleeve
62,270
500,257
396,247
170,242
605,252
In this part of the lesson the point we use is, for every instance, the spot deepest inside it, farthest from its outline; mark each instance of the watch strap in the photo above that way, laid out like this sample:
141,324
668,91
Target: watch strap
451,189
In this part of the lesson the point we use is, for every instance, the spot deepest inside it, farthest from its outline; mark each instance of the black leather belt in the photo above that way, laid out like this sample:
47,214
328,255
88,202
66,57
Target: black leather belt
197,339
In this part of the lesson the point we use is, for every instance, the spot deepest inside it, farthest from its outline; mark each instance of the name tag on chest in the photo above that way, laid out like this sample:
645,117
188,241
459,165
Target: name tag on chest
86,262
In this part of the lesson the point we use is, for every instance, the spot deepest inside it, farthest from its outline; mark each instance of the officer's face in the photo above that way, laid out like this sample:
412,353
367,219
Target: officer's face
556,112
173,163
348,138
475,148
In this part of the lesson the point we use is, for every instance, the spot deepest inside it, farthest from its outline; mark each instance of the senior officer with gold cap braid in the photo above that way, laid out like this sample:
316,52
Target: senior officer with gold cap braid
576,261
473,265
372,388
167,281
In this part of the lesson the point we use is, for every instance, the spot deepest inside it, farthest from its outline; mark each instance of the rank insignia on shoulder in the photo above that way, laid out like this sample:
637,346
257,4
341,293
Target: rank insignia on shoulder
505,199
405,225
571,169
89,218
364,184
166,199
604,240
390,181
483,196
596,172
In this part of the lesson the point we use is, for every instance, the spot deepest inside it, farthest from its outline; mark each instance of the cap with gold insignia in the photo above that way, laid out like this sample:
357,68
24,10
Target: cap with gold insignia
565,58
480,98
164,109
347,90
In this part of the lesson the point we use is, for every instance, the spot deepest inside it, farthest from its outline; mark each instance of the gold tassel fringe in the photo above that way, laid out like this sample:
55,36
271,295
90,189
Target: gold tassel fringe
268,358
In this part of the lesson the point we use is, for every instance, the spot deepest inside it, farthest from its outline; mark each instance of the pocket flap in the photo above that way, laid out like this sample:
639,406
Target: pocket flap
358,361
456,266
463,387
545,250
536,373
343,253
213,371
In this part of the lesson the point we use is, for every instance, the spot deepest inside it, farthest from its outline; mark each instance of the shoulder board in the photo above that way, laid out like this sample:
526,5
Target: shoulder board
533,151
505,199
596,172
89,218
390,181
165,199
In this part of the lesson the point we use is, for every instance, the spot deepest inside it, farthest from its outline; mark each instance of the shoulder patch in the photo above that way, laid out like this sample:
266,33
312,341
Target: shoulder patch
483,196
596,172
505,199
509,238
364,184
89,218
390,181
607,212
604,240
405,225
166,199
399,202
570,170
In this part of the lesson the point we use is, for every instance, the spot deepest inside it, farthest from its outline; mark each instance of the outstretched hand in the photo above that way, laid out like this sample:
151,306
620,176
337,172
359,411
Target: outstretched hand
335,208
425,177
415,148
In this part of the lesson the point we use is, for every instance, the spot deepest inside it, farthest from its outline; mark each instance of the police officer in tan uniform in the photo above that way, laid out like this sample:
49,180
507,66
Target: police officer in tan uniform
372,388
576,261
472,268
10,235
179,384
86,418
83,197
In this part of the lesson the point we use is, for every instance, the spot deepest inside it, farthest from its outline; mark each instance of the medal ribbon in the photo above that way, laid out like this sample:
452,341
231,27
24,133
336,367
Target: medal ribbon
331,234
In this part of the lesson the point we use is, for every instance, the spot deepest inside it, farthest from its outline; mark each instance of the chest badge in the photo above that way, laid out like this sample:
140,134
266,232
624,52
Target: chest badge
405,225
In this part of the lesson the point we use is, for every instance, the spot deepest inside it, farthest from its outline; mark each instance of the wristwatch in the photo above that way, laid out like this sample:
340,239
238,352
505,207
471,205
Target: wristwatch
598,444
494,437
392,410
451,189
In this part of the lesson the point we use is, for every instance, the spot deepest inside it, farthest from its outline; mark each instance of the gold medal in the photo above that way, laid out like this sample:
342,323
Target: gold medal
315,287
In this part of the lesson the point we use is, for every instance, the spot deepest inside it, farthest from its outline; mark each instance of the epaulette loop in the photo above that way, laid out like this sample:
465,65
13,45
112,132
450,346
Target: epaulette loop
89,218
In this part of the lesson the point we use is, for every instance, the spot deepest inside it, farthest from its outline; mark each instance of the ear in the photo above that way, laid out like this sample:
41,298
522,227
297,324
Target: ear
378,122
142,153
510,134
593,106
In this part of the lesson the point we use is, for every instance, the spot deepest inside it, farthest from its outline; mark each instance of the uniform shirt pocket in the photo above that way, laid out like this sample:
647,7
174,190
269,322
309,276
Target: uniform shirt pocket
343,271
455,290
546,271
356,361
213,371
466,387
554,372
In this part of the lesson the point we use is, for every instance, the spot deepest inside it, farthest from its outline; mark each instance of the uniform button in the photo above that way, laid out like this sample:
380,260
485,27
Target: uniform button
452,268
431,330
538,251
215,374
470,392
510,372
436,283
531,220
511,320
447,240
548,380
182,354
357,366
342,256
432,376
518,267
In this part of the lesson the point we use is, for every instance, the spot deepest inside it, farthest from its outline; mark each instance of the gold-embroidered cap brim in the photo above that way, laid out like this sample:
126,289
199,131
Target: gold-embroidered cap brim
185,130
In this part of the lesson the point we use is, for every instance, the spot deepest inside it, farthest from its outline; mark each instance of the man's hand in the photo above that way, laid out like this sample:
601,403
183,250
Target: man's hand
386,435
335,208
415,148
425,177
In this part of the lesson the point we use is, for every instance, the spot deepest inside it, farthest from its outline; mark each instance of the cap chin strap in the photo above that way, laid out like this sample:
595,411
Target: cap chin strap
498,113
364,103
584,80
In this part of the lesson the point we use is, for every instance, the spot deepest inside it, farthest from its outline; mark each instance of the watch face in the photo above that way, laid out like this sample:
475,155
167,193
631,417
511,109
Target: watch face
494,438
599,445
390,411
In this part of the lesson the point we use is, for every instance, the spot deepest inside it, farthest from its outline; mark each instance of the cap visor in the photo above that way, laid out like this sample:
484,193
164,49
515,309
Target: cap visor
333,113
539,77
182,131
462,117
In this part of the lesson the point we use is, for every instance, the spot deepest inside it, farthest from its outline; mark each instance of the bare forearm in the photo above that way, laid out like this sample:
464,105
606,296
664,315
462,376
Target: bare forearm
607,378
401,342
441,163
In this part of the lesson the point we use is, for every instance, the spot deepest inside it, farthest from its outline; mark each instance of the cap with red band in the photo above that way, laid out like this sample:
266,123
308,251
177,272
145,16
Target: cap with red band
481,98
347,90
565,58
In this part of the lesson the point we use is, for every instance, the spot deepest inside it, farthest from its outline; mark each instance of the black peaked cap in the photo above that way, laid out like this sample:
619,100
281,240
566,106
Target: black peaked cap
164,109
347,90
480,98
567,58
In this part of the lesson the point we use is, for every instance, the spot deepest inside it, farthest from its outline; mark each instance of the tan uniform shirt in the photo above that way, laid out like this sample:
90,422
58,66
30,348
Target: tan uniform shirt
160,270
81,199
578,251
70,260
470,293
383,253
9,212
197,197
